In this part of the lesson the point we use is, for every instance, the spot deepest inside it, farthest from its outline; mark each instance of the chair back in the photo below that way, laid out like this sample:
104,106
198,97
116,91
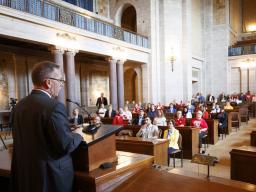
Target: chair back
243,111
234,116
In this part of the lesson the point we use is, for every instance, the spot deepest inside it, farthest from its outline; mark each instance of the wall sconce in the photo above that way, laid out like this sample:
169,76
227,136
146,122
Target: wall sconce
172,58
251,28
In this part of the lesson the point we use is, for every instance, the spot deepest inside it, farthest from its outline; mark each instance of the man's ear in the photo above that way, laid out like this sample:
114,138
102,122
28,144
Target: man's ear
47,84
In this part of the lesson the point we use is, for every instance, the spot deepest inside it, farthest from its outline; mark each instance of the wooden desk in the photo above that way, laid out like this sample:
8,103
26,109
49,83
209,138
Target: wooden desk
90,156
253,138
190,141
212,130
129,164
243,161
150,180
156,147
229,182
190,138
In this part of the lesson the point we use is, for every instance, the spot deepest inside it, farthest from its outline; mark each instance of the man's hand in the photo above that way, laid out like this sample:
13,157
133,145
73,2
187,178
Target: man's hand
79,131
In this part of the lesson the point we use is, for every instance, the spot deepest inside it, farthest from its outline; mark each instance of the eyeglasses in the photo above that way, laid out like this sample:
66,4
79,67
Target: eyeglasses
61,81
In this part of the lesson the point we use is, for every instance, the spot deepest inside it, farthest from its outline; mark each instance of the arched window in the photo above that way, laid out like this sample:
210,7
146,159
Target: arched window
129,19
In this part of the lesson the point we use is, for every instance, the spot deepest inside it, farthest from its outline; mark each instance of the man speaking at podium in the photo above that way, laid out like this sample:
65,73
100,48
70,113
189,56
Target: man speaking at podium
42,140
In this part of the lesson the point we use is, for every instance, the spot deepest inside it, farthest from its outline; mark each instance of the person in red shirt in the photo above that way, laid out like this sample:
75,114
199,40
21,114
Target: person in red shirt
119,118
200,123
180,121
205,113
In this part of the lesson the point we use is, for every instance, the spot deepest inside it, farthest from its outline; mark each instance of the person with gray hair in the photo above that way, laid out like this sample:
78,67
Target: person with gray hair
42,140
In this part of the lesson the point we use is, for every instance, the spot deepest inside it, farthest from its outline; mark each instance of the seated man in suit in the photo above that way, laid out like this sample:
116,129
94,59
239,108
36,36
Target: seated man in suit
77,119
148,130
139,120
223,121
110,112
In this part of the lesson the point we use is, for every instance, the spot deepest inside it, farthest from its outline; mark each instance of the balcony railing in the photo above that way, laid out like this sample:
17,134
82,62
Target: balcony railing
242,50
52,11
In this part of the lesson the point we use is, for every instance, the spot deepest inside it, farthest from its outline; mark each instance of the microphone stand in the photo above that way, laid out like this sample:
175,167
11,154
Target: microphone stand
92,128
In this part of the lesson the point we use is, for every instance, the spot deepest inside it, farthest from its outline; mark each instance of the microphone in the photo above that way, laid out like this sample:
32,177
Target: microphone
70,101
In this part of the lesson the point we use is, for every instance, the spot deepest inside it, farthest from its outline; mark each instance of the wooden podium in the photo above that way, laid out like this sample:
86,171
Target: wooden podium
98,148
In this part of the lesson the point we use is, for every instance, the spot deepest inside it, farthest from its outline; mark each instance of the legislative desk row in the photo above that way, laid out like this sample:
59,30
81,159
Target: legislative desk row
190,138
233,121
133,172
243,162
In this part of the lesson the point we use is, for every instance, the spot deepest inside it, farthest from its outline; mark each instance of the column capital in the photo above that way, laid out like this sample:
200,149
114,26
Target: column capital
120,62
56,49
111,60
71,51
243,68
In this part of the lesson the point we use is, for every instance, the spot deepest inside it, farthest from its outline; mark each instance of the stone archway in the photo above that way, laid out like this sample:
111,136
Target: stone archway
129,19
131,85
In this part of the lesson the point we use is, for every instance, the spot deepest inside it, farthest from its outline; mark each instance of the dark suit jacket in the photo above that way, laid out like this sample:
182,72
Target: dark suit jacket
136,121
99,102
80,120
42,144
113,113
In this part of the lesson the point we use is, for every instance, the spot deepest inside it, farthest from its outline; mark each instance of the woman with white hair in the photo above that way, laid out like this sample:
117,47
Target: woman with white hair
199,122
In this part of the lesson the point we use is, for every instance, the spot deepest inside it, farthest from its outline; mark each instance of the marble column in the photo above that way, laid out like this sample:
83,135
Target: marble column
113,83
70,79
58,59
145,83
252,80
120,82
187,49
139,77
244,80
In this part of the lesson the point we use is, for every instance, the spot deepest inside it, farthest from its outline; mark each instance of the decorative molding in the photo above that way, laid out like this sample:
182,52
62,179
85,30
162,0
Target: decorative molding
66,36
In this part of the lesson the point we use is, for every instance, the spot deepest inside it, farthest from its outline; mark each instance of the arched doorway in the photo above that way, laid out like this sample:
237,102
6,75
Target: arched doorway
130,85
129,19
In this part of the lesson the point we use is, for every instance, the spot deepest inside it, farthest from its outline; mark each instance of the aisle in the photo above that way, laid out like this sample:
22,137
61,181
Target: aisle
221,150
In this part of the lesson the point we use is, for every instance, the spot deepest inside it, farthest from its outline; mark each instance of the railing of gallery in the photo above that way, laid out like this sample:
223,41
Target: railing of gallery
67,16
242,50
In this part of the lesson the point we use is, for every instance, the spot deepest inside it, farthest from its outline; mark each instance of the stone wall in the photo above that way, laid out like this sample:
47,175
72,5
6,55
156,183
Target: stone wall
216,41
4,88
